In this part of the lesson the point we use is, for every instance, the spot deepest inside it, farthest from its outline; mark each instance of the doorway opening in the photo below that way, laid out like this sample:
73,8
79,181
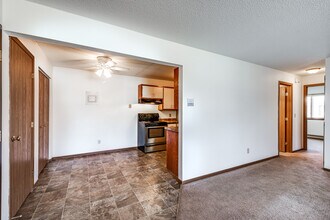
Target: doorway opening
285,116
313,117
96,132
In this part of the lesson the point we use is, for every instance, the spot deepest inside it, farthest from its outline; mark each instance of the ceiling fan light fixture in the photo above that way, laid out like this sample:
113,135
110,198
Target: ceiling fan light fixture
104,73
110,63
107,73
99,72
313,70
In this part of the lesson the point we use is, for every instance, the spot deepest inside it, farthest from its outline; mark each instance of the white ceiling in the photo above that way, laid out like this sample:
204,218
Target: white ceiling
76,58
289,35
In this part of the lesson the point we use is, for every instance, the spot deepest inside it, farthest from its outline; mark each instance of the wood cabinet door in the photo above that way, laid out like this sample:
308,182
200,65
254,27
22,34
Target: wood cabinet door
172,152
43,120
21,124
153,92
168,101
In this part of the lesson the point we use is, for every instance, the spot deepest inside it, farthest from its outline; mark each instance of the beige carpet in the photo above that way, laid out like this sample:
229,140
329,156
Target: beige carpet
293,186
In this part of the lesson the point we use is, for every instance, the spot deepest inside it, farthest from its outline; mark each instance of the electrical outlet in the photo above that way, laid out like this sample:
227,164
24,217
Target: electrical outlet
248,150
99,141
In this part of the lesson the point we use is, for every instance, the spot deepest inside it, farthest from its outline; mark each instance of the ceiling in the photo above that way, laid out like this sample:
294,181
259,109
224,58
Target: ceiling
76,58
289,35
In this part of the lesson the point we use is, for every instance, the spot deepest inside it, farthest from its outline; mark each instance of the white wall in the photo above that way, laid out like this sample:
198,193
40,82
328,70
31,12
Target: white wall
0,11
236,103
315,127
207,77
312,79
327,116
78,127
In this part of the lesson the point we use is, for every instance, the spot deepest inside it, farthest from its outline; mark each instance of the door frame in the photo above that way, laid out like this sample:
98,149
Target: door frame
11,38
290,118
305,91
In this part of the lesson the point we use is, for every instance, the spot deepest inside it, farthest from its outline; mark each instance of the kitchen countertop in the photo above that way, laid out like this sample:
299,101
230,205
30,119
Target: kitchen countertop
173,129
169,120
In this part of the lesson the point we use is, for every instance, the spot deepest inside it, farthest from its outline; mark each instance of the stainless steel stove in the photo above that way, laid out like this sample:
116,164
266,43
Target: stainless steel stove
151,133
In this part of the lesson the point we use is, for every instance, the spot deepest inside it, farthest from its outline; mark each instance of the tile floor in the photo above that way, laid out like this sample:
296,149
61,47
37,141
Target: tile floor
124,185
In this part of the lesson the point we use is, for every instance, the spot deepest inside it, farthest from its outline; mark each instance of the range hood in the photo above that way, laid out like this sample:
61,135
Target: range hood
151,101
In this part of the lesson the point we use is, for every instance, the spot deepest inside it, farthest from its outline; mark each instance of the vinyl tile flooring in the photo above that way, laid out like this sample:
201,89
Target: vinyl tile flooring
124,185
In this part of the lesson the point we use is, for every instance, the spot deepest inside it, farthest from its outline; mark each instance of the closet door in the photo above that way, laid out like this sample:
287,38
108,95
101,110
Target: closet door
43,120
21,124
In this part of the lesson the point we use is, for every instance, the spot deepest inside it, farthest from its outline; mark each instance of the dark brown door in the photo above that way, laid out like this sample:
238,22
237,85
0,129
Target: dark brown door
285,117
43,120
21,124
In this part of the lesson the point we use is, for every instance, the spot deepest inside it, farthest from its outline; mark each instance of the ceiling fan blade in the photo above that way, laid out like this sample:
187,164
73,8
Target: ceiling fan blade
82,63
118,68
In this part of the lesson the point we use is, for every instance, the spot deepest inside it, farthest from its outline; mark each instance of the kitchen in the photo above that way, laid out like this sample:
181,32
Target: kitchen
99,111
157,134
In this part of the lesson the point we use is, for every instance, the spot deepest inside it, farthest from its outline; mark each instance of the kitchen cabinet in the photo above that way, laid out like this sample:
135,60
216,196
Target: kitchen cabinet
176,88
168,99
172,150
149,93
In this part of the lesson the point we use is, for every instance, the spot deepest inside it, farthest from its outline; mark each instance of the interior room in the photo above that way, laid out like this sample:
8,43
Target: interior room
164,109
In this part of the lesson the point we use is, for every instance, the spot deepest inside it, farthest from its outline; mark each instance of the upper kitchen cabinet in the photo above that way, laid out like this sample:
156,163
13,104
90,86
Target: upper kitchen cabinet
168,100
150,94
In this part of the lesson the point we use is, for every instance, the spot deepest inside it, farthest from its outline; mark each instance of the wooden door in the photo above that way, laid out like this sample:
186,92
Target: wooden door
285,117
43,120
21,124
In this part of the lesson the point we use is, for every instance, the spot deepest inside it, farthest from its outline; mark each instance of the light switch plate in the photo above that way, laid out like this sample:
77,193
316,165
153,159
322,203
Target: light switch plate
92,98
190,102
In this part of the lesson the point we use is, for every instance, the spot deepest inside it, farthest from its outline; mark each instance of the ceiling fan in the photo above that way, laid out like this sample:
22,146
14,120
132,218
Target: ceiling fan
106,67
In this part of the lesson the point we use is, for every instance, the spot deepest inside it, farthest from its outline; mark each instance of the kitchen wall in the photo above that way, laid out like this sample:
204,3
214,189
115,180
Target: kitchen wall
236,102
78,127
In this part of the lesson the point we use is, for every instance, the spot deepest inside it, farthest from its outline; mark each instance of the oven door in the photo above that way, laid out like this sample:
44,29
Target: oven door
155,135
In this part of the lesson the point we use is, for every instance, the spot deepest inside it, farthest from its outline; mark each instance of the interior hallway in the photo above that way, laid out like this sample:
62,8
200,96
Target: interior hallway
293,186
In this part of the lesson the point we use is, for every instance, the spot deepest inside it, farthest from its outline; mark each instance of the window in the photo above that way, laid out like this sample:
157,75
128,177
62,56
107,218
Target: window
315,106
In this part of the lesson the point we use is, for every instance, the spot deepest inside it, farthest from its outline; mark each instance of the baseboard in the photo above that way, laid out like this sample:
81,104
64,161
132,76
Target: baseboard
303,149
315,137
227,170
94,153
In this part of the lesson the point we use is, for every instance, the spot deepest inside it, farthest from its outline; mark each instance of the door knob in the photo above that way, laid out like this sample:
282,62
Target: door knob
18,138
13,138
